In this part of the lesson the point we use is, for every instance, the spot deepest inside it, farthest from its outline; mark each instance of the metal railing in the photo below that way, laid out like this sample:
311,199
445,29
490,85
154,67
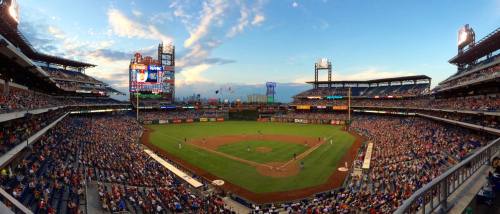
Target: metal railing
434,195
12,203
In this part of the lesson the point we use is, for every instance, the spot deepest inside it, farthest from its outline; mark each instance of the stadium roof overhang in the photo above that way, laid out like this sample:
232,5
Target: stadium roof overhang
21,62
394,79
487,45
40,57
10,32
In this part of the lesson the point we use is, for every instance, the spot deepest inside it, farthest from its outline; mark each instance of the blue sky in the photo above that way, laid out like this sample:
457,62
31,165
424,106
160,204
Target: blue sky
246,43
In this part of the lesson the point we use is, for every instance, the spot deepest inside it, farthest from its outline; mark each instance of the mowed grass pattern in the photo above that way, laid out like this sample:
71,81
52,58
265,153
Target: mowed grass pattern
318,165
281,151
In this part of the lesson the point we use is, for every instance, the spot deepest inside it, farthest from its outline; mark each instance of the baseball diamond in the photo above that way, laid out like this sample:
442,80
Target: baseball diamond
228,151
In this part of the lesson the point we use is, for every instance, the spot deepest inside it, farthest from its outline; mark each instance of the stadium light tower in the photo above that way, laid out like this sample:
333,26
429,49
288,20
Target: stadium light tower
270,92
322,64
166,57
466,37
10,7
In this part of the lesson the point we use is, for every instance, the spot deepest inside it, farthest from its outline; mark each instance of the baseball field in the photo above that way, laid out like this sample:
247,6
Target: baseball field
260,161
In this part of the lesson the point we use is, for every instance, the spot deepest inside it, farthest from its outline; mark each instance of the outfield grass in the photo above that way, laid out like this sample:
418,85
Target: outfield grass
318,165
281,151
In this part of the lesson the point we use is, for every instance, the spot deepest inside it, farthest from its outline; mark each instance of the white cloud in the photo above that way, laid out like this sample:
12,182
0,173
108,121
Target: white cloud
212,11
192,74
195,55
295,4
56,32
137,13
258,19
242,22
125,27
245,18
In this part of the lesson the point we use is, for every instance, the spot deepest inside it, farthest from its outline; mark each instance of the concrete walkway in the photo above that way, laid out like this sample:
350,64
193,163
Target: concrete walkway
462,197
94,205
235,206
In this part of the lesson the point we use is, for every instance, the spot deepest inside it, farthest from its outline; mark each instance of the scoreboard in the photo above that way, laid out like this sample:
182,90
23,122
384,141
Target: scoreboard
152,81
150,78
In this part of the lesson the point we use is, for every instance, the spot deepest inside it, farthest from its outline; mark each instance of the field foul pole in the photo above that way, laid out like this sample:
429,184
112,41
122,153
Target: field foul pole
137,106
349,108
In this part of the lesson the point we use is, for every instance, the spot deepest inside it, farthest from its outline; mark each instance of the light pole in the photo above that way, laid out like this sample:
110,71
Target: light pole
349,108
137,106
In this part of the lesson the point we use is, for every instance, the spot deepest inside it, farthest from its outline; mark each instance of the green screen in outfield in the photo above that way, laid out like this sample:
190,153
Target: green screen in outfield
318,165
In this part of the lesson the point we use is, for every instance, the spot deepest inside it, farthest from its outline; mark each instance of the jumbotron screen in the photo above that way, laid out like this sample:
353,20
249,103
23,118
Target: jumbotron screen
146,78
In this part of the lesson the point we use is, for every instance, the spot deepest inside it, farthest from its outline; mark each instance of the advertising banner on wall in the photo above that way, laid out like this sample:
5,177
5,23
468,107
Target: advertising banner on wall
303,107
163,121
189,120
339,107
203,119
301,121
337,122
220,119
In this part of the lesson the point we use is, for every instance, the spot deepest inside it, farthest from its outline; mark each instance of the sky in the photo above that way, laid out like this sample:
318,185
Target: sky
242,44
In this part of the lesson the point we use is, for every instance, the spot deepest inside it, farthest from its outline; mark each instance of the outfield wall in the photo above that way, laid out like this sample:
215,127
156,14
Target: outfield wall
184,120
245,115
303,121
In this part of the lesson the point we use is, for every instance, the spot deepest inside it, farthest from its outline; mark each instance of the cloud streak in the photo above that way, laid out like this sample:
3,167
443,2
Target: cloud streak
123,26
212,11
245,20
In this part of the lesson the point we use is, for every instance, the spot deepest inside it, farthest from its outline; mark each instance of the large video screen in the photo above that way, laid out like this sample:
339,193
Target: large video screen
146,76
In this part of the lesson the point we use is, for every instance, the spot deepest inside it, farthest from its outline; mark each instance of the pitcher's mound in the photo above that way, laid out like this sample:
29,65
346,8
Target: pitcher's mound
263,149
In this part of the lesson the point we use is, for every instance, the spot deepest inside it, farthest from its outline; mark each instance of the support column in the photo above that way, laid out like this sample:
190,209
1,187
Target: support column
315,76
329,75
6,87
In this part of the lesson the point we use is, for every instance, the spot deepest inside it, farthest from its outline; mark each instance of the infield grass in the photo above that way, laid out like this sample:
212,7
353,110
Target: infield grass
319,164
280,151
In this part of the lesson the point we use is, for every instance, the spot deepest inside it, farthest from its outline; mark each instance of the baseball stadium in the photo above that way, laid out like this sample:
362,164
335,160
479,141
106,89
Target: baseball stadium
380,144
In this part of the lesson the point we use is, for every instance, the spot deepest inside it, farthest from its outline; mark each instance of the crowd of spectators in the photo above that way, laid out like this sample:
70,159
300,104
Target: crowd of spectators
407,154
77,86
13,132
18,99
323,92
48,178
407,90
313,115
182,114
476,119
102,149
321,102
128,178
473,103
67,75
464,79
